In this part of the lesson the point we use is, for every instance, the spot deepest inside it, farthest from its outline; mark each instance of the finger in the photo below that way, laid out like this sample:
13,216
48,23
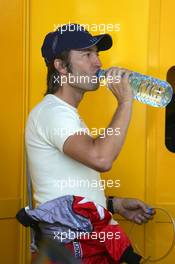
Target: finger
142,218
117,71
109,78
125,78
143,206
148,217
122,76
113,78
137,220
123,73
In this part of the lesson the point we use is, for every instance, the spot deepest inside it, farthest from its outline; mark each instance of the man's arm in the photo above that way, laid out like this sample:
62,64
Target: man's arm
100,153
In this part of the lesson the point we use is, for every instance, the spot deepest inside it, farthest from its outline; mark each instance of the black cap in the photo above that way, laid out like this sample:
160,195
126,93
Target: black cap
72,36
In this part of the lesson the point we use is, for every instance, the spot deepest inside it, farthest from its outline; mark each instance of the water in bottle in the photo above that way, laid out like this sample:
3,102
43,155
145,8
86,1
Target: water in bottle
146,89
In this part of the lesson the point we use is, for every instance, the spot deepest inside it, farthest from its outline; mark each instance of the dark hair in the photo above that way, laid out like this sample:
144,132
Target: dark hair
53,75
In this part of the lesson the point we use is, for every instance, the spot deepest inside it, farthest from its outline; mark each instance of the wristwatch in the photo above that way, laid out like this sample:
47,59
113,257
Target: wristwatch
110,204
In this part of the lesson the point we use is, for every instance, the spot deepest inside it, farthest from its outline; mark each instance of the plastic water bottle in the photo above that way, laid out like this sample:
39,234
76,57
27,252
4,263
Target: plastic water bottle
146,89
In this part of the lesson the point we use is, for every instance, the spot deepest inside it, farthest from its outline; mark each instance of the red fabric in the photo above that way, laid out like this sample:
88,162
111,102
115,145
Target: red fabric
94,250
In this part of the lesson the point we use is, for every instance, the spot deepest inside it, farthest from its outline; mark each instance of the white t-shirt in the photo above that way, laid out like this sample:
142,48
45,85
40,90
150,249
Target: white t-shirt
53,173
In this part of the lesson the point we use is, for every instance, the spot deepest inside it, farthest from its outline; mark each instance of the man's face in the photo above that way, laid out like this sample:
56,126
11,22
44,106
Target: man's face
84,65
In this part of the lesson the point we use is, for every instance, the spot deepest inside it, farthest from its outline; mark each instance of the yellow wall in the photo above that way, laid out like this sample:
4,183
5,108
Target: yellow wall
11,131
145,43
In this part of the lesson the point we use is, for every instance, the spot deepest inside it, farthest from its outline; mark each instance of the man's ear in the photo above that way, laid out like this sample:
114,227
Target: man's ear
59,65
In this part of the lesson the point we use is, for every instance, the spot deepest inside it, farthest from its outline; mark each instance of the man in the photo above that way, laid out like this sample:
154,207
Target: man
60,154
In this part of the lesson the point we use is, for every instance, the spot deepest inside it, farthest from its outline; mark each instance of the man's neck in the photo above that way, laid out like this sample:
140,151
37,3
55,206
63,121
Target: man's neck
70,95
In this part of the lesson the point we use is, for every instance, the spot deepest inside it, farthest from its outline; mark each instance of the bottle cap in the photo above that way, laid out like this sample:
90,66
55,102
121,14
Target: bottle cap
149,210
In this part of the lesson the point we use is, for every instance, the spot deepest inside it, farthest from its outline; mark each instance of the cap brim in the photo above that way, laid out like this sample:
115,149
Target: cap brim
104,42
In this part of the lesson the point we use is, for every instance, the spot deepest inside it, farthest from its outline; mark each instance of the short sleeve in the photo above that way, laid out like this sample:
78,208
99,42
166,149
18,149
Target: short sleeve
57,125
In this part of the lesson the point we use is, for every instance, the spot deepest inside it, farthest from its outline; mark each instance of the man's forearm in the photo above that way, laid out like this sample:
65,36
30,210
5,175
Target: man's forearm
109,146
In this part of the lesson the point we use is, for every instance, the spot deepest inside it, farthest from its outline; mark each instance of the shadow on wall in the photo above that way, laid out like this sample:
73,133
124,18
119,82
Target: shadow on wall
170,114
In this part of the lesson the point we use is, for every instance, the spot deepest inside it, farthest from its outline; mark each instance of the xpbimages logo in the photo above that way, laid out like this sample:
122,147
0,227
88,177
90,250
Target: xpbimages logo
71,235
101,28
101,184
101,132
85,79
